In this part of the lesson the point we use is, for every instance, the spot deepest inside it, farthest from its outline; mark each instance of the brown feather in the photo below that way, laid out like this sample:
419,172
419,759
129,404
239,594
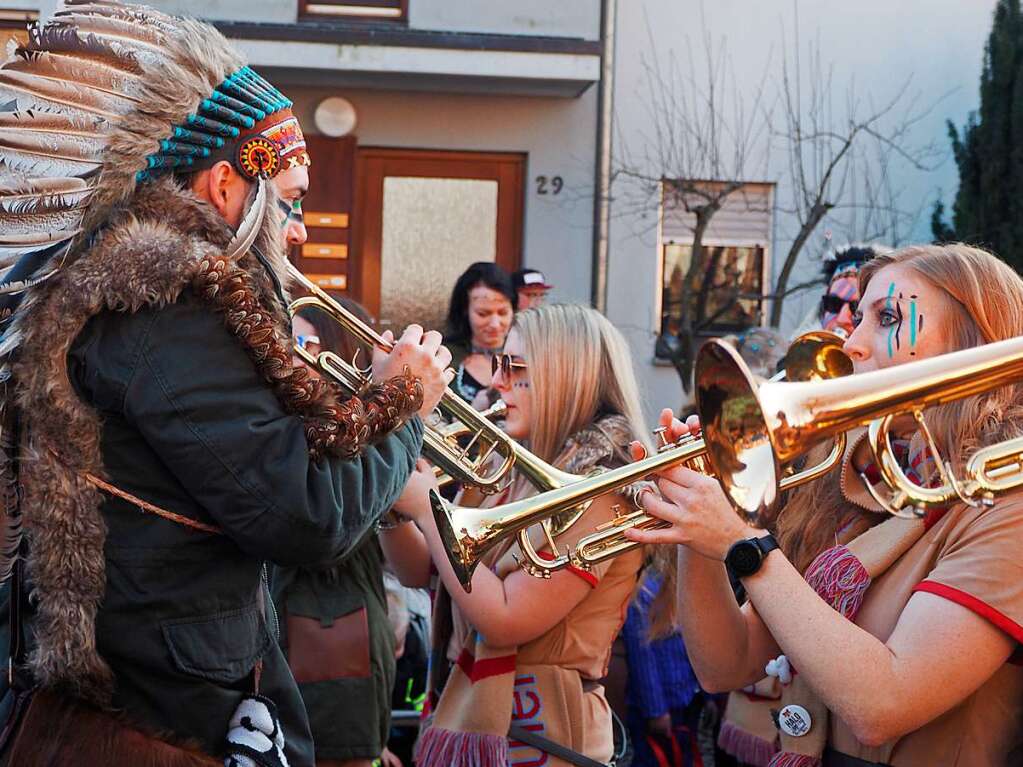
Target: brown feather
60,38
95,73
15,186
67,146
113,27
58,122
78,95
127,13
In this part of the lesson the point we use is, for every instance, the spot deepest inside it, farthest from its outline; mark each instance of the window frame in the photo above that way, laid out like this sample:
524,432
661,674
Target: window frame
304,14
663,242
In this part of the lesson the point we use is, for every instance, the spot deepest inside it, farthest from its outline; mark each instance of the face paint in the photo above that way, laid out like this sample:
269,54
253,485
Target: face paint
891,331
912,324
520,385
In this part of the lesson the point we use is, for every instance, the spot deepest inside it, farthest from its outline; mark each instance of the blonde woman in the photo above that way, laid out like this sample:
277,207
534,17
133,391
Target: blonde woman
899,642
526,652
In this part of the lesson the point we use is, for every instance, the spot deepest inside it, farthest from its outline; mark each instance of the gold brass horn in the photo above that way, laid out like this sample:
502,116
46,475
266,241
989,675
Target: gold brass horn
468,533
751,428
463,460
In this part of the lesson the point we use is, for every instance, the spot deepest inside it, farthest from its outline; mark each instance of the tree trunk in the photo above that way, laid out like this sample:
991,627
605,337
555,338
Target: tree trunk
816,214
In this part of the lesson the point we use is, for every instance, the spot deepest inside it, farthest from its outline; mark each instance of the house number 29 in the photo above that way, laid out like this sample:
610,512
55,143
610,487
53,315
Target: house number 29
549,184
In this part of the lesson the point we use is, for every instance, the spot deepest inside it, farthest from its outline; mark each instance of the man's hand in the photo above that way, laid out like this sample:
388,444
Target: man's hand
424,357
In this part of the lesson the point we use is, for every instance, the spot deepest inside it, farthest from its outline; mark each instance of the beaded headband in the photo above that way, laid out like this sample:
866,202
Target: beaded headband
246,120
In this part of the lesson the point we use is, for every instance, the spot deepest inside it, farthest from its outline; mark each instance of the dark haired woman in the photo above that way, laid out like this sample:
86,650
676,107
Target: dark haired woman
479,316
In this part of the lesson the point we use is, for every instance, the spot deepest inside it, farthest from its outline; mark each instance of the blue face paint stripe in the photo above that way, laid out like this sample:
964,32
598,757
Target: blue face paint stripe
912,323
891,330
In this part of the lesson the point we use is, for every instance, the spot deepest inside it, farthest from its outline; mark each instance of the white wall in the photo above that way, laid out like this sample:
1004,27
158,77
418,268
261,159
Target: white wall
558,136
876,44
565,18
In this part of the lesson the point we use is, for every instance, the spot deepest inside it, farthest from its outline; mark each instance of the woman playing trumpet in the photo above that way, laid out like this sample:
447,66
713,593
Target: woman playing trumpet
522,651
894,646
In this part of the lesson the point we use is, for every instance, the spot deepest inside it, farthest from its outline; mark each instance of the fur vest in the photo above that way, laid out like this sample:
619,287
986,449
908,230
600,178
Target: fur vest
163,242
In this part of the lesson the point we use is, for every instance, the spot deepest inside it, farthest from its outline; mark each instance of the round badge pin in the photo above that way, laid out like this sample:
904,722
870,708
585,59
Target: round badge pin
794,721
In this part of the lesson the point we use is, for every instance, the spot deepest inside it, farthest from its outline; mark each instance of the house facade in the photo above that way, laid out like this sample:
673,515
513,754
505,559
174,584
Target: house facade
445,132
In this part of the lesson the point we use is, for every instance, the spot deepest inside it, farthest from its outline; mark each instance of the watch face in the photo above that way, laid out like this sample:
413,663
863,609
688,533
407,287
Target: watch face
744,558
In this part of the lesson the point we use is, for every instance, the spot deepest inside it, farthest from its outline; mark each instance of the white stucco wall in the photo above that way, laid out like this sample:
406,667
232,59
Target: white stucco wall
566,18
875,43
557,135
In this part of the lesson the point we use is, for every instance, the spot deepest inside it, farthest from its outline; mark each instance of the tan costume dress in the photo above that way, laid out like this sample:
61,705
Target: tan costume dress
547,686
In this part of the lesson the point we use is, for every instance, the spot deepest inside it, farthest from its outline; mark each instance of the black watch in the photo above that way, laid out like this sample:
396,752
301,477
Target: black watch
745,557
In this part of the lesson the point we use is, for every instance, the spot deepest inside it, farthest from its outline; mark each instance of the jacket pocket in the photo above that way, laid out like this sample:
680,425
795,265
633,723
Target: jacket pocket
223,647
328,636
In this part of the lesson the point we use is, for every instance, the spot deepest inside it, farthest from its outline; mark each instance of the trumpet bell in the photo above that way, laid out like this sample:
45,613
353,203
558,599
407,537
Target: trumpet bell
738,440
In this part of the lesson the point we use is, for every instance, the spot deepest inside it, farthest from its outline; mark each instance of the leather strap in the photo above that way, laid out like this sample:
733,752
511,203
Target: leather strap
550,747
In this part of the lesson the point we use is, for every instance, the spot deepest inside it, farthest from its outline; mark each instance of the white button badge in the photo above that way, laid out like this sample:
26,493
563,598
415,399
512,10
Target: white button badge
794,721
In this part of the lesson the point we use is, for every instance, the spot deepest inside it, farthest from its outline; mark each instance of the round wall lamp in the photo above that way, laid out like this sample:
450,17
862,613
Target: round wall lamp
335,117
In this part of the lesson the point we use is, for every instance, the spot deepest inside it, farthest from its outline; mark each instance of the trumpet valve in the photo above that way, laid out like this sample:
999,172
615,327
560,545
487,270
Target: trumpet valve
661,436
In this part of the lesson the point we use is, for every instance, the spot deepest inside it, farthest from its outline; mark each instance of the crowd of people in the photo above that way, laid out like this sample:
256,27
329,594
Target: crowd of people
215,554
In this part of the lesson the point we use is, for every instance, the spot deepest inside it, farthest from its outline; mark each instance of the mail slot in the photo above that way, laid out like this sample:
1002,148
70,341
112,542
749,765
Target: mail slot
324,250
330,281
330,220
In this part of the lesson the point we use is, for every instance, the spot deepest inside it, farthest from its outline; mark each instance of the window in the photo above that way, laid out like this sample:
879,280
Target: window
729,295
366,10
728,268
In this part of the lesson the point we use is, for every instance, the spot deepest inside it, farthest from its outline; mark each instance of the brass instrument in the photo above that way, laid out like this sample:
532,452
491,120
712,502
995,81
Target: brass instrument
468,463
468,533
751,428
453,432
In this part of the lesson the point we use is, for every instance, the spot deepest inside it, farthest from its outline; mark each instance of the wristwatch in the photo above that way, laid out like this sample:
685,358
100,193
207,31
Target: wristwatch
745,557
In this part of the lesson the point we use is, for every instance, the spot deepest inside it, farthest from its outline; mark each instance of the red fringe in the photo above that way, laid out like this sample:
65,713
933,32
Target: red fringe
787,759
840,579
447,748
745,746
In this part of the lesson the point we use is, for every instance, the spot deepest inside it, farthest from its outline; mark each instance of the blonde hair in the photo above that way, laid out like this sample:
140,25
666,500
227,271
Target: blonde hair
579,369
984,304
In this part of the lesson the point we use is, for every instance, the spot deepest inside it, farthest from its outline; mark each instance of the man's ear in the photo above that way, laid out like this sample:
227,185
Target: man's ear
214,186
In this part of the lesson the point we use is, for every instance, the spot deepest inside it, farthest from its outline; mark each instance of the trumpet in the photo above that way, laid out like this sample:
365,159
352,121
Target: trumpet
453,432
469,533
751,428
462,460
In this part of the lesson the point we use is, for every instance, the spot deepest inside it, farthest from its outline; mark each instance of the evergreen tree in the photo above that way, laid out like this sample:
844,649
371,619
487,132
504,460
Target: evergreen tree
988,208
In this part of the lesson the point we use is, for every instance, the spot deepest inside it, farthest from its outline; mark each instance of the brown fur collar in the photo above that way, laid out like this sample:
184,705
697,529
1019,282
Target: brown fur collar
164,241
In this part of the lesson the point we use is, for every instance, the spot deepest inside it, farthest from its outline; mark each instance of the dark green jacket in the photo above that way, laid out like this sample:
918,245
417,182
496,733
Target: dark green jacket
340,643
191,427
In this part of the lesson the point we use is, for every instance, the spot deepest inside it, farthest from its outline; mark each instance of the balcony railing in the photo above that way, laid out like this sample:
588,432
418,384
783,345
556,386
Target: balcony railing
351,10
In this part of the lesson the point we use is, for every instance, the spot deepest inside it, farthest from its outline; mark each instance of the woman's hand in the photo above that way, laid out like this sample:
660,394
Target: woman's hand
701,516
414,502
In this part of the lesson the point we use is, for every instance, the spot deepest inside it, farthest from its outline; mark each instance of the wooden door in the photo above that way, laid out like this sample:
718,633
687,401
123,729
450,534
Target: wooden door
326,255
422,217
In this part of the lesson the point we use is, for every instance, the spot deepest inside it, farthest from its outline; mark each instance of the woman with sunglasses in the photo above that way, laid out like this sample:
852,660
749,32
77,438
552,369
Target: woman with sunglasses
522,654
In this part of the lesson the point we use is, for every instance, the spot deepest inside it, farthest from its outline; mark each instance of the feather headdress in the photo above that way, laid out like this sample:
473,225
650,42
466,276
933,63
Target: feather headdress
103,97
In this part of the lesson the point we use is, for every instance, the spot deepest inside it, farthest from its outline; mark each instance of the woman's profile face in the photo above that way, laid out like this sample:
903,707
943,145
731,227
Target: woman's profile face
901,318
490,316
515,391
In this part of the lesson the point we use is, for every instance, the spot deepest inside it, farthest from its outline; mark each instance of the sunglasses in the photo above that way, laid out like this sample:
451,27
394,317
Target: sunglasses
506,363
831,304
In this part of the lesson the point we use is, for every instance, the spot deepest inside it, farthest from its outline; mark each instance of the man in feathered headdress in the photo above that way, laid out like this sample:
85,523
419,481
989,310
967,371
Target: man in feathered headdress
158,444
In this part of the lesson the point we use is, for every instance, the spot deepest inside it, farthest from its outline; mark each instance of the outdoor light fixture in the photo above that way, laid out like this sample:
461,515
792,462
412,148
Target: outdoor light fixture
335,117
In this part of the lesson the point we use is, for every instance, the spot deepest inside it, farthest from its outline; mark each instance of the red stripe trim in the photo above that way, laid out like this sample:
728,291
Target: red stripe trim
970,602
476,670
586,575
